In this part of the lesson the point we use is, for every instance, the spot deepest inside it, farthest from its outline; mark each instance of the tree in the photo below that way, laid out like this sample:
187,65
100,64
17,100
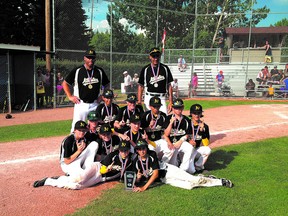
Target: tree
22,22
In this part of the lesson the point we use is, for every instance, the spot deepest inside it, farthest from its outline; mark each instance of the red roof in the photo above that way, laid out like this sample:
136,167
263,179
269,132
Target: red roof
258,30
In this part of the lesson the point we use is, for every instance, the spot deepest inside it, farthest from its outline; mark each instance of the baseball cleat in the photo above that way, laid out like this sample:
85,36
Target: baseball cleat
40,182
227,183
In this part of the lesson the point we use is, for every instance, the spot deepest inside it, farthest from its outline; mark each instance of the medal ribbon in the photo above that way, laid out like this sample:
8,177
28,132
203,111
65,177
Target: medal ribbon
123,165
176,131
145,171
105,145
193,131
109,114
155,75
131,136
158,116
89,77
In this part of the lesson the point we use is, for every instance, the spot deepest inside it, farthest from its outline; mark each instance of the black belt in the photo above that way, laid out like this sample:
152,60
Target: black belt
86,101
157,95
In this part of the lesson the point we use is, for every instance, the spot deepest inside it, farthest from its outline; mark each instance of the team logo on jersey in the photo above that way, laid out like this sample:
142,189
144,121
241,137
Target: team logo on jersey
156,79
86,81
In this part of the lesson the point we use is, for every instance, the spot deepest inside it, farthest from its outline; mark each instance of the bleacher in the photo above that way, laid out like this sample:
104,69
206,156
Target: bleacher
235,77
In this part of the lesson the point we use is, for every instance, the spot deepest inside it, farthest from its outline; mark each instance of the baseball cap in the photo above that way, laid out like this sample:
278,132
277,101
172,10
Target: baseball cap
196,109
141,143
131,97
155,51
125,72
124,145
135,118
178,103
81,126
108,93
92,116
155,101
275,66
105,129
90,53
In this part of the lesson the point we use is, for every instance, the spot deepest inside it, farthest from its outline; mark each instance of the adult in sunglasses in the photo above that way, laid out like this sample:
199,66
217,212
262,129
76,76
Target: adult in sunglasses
156,78
87,81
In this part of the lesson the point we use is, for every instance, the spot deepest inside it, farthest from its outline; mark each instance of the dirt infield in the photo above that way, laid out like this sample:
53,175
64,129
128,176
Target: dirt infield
23,162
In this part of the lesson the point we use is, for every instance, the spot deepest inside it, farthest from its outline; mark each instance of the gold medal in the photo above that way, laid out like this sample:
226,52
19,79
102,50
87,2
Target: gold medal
174,140
153,136
90,86
156,85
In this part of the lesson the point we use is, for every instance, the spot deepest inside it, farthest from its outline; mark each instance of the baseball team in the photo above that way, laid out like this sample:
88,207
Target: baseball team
158,143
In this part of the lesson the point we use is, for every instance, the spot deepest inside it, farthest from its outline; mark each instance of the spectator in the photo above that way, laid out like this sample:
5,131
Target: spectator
182,64
270,91
285,72
175,87
135,82
60,91
195,84
127,82
48,84
221,44
268,52
40,89
220,79
260,77
274,74
250,88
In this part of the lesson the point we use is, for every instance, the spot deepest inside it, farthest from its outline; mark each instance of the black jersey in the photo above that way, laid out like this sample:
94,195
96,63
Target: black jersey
124,115
157,83
120,165
179,128
106,148
154,133
87,83
69,147
107,114
198,135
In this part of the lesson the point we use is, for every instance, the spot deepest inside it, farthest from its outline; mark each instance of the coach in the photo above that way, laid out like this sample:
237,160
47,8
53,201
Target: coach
87,80
156,78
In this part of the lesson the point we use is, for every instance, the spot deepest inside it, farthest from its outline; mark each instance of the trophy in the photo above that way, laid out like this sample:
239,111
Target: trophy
129,180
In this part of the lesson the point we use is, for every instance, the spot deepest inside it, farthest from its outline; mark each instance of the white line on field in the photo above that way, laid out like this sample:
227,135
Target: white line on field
29,159
283,115
213,133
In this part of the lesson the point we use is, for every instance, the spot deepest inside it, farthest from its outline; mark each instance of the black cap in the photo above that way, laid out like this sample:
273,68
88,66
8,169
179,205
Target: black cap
155,101
131,98
90,53
178,103
196,109
105,129
141,143
81,126
108,93
93,116
124,145
155,50
135,118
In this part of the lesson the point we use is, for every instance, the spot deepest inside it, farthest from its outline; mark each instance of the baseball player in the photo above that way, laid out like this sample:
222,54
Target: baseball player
107,142
152,122
199,138
177,125
76,159
107,110
87,79
111,168
147,168
122,121
156,78
135,132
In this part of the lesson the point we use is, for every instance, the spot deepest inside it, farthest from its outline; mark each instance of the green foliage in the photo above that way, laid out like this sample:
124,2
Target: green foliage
260,180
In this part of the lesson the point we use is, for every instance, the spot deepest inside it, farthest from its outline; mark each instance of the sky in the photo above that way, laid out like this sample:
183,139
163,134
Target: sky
100,9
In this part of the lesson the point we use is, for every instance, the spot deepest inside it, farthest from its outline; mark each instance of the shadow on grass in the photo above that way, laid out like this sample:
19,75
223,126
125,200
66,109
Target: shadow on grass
220,159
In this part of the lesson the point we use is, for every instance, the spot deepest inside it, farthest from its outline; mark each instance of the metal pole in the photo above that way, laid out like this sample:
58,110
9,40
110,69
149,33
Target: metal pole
34,84
249,40
111,47
8,83
157,23
54,57
194,40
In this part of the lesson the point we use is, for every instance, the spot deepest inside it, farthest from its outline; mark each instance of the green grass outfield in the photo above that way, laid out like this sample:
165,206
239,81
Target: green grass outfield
259,171
62,128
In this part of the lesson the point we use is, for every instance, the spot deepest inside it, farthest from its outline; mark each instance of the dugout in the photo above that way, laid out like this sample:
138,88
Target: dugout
17,75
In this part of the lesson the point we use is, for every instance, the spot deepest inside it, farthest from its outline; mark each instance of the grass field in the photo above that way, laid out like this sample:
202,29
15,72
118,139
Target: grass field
257,169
